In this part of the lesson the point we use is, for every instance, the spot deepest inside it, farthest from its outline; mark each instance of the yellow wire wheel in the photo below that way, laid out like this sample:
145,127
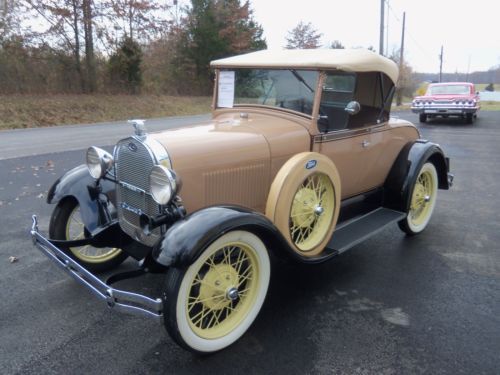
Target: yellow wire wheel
66,224
423,200
89,254
304,202
221,293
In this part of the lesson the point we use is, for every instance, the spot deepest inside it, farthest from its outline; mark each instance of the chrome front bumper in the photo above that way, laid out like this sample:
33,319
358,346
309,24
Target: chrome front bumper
444,110
115,299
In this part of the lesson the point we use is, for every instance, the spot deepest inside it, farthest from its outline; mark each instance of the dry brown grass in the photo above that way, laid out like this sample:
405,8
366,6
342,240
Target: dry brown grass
28,111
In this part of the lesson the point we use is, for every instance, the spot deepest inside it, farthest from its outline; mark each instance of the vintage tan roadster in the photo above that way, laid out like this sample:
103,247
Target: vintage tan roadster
301,159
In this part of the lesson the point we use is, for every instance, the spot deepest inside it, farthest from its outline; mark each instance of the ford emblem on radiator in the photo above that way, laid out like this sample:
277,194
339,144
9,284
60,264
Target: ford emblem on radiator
132,147
136,211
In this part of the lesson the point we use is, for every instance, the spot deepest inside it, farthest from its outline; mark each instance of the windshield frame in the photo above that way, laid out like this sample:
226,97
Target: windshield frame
316,92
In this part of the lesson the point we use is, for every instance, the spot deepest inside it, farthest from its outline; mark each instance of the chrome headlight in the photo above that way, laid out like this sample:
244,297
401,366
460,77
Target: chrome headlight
98,161
163,184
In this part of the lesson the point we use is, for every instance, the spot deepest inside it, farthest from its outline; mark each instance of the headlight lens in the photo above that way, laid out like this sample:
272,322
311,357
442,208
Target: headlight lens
163,184
98,161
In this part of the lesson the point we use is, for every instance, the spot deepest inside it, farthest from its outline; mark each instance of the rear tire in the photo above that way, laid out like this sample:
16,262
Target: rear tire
423,201
66,224
422,117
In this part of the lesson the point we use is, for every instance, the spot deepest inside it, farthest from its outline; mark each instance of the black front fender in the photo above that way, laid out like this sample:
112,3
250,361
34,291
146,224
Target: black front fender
184,241
404,172
80,185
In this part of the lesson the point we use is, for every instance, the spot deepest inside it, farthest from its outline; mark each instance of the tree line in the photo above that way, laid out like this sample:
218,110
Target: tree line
133,46
119,46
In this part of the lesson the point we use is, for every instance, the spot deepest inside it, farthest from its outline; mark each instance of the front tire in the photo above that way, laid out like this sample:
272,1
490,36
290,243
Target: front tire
422,117
469,118
423,200
66,224
213,302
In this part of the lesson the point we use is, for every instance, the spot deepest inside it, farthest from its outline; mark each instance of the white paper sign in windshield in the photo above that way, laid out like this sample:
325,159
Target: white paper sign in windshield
226,89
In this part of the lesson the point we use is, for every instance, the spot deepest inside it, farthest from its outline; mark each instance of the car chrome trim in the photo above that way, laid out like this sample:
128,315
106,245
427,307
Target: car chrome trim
155,149
139,126
133,187
159,152
119,300
152,153
348,133
451,177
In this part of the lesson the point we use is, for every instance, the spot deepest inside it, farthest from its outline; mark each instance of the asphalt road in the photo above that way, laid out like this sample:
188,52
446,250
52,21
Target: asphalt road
391,305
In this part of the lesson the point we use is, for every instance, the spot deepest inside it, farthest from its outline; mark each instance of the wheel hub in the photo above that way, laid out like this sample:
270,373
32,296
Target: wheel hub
218,287
420,198
232,294
305,208
318,210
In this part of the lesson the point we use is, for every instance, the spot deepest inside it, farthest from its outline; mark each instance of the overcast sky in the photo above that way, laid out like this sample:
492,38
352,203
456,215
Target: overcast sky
468,30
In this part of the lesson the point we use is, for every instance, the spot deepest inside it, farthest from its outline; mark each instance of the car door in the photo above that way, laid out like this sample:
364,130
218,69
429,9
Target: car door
355,142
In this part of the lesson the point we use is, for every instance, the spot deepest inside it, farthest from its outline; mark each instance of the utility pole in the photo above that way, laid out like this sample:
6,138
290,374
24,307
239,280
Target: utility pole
387,31
399,96
468,70
441,65
382,24
401,55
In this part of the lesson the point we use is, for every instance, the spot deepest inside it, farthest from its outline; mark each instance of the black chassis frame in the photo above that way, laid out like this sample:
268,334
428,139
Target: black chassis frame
186,237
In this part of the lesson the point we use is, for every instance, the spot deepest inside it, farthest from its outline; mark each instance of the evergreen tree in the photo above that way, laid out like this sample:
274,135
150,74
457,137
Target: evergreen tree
125,66
215,29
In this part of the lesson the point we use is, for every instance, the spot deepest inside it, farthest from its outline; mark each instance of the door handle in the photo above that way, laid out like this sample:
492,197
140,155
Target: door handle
365,143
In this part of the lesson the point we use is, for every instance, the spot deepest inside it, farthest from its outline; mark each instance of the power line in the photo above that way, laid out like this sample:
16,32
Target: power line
426,52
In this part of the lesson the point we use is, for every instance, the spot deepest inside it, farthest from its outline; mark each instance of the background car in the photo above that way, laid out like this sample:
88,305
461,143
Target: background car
458,99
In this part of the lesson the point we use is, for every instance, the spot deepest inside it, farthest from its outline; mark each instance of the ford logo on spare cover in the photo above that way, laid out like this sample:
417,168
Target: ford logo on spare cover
311,164
132,147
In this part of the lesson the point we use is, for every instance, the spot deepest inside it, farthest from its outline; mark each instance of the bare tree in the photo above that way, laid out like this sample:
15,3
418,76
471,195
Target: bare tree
63,18
303,36
406,84
87,7
141,20
9,19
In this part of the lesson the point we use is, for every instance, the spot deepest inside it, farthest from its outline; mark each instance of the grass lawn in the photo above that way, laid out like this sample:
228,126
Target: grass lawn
29,111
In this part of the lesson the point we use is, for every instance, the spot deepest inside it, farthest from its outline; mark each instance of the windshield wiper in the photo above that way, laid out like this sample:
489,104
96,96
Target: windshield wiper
301,79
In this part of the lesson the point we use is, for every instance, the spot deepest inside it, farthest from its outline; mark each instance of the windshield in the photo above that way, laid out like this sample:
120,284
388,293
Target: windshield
449,90
290,89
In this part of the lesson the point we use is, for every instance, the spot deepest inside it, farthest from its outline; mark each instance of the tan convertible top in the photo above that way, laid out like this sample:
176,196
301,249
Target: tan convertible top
350,60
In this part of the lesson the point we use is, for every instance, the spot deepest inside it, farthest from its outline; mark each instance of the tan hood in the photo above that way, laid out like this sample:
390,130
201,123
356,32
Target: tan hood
231,160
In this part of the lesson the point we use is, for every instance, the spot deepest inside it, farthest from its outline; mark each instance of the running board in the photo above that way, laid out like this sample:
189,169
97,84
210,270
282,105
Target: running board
357,230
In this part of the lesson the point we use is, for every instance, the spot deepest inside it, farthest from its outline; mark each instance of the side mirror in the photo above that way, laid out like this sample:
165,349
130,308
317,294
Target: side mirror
353,108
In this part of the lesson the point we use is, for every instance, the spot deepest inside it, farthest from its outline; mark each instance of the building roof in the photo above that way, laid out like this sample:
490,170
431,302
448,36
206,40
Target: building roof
349,60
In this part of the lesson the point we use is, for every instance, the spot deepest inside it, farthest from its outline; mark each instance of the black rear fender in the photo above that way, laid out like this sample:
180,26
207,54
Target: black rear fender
404,172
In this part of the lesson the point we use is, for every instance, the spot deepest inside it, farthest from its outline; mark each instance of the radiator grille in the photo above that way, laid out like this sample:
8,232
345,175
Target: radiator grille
133,164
